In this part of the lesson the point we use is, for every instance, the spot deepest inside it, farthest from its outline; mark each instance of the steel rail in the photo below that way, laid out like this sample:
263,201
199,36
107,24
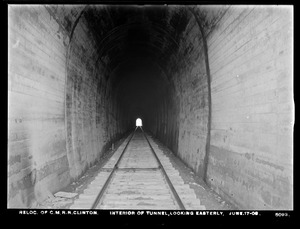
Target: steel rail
104,187
174,192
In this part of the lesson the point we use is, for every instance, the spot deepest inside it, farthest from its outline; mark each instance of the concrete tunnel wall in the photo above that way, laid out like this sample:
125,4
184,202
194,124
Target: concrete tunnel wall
92,114
61,113
64,111
251,154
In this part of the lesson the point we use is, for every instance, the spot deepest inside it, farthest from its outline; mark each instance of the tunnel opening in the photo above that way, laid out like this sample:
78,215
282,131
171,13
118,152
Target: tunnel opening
138,122
218,96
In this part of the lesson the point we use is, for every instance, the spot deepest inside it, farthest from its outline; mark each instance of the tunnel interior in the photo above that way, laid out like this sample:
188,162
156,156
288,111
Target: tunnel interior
137,44
134,51
211,83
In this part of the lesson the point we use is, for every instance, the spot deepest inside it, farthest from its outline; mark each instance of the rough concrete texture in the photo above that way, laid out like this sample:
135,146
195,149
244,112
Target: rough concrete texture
183,117
36,80
250,56
60,118
91,112
192,94
250,153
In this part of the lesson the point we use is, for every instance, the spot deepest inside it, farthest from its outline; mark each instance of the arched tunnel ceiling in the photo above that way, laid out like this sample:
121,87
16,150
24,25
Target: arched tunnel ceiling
126,32
136,44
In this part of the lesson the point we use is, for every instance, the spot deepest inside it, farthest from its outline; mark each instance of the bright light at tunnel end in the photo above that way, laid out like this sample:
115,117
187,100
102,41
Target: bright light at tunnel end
138,122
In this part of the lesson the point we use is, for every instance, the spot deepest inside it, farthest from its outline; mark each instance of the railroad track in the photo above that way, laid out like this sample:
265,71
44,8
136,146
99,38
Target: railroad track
138,176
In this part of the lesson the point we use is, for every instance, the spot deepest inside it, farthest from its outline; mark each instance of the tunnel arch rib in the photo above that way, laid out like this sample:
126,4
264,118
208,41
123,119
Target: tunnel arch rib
207,147
68,126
